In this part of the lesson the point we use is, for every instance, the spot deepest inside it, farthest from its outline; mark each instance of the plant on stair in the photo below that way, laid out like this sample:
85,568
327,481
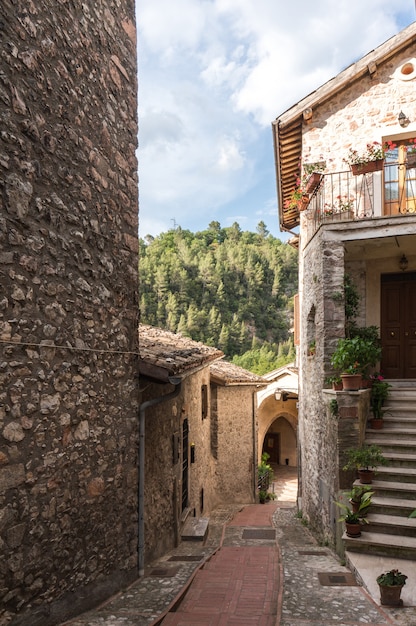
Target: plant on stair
364,459
379,394
353,521
391,584
360,494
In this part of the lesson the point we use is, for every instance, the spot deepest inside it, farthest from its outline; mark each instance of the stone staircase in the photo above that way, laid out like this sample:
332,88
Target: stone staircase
390,532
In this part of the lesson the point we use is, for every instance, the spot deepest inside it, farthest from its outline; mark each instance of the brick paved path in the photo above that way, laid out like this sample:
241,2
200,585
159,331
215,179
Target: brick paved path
239,585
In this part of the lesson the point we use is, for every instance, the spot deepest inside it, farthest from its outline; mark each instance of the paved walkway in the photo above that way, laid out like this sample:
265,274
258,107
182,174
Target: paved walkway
260,566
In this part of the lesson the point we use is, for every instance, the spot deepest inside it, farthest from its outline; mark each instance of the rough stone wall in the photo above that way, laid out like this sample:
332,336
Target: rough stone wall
68,305
322,321
163,462
365,111
236,463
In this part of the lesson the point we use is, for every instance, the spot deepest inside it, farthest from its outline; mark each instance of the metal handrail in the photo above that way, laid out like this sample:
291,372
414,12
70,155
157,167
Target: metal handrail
342,196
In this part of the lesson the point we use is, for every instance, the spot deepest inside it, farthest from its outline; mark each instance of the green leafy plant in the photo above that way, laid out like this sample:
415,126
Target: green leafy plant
379,394
392,578
333,407
365,457
264,473
354,355
333,380
351,517
357,493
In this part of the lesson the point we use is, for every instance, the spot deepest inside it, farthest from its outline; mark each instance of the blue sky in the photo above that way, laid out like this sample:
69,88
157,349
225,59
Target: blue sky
213,75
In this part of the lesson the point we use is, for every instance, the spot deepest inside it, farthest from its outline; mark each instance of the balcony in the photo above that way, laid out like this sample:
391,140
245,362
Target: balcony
344,197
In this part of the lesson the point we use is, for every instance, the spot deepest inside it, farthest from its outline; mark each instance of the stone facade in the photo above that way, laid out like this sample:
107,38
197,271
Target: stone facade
359,106
68,306
200,446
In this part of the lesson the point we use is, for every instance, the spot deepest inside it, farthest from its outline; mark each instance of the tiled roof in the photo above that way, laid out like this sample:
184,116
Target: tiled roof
164,354
230,374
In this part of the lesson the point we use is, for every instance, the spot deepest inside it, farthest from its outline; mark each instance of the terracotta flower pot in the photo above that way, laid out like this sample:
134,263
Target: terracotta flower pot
364,168
366,476
313,181
377,423
351,382
353,530
390,595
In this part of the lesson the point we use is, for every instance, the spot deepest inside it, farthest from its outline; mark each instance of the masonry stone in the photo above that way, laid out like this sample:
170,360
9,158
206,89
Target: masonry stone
68,306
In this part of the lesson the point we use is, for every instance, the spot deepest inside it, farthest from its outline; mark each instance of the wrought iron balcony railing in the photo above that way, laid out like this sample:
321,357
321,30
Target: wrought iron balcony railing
342,196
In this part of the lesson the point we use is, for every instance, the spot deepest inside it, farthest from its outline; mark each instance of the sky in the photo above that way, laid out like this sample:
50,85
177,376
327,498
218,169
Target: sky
213,75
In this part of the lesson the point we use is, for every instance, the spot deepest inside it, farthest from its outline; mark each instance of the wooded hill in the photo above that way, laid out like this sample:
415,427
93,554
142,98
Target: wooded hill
225,287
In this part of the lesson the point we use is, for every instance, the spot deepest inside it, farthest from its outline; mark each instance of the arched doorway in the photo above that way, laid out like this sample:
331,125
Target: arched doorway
280,442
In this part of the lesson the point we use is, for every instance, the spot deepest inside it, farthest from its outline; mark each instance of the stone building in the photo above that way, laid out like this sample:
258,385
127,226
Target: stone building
68,306
199,434
362,225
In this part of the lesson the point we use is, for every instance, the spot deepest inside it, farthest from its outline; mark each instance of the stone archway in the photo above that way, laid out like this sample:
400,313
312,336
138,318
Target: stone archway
280,441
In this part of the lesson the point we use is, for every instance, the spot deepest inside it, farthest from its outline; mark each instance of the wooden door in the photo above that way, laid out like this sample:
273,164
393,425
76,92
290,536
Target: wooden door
271,445
398,325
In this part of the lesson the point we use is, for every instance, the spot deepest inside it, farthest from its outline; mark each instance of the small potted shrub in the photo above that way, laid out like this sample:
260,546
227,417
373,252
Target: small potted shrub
379,394
353,521
360,494
365,460
391,584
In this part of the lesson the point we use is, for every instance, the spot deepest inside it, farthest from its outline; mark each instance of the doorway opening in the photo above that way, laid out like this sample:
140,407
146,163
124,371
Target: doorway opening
398,325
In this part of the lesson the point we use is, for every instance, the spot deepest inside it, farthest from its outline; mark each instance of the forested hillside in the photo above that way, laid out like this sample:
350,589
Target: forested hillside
225,287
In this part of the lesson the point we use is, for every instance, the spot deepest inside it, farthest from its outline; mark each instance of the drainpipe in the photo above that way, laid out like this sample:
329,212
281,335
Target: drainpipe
145,405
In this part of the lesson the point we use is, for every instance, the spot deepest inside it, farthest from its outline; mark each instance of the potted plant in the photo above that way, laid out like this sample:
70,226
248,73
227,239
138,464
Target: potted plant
360,494
379,394
353,356
298,197
411,153
391,584
335,382
365,459
353,521
313,175
342,208
371,159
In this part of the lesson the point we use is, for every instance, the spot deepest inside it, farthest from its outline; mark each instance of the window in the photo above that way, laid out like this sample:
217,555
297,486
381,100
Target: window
204,401
400,178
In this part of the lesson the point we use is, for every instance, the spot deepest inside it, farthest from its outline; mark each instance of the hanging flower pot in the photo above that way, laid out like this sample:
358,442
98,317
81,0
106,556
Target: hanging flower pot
303,202
365,168
411,159
313,182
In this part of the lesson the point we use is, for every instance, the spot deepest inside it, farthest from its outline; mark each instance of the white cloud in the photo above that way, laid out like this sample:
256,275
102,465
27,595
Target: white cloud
213,74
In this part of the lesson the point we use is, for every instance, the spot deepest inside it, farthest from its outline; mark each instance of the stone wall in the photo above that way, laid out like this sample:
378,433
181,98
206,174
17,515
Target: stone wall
163,513
366,110
236,465
68,306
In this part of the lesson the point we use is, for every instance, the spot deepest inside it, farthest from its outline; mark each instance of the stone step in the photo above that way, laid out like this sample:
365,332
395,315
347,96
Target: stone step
397,459
390,443
390,525
409,434
195,529
394,489
398,507
397,474
382,544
